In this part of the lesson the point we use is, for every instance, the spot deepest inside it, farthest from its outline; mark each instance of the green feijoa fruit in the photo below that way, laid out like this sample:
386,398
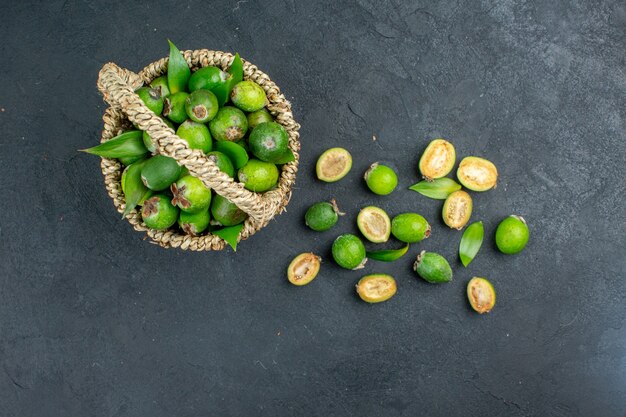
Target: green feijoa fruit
257,117
387,255
194,223
147,140
477,174
374,224
333,164
471,242
438,189
303,268
349,252
269,142
226,212
190,194
159,172
258,176
512,235
178,71
158,213
223,162
201,106
207,78
196,134
174,107
410,227
125,145
151,98
376,288
457,209
160,83
322,216
481,295
230,124
381,179
234,151
248,96
183,172
438,159
433,267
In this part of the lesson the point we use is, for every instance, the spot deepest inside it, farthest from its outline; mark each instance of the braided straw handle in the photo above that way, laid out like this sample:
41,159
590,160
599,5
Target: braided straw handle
118,85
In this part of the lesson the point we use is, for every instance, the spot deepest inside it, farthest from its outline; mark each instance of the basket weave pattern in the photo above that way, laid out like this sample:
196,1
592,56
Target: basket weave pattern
118,85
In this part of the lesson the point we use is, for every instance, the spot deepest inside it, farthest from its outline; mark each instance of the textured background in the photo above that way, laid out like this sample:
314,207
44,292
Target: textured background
96,322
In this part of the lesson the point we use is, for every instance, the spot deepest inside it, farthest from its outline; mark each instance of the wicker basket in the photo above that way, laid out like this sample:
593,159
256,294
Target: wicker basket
118,85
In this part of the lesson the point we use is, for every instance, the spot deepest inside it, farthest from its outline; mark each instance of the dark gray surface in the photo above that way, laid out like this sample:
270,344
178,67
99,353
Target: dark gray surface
96,322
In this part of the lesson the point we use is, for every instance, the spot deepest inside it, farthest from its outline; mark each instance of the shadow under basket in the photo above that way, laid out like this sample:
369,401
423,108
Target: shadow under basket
126,108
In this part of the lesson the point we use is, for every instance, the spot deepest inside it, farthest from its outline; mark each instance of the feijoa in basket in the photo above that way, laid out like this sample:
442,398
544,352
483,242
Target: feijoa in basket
175,148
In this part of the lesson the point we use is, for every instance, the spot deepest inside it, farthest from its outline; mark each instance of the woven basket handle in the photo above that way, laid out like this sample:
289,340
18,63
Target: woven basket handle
117,85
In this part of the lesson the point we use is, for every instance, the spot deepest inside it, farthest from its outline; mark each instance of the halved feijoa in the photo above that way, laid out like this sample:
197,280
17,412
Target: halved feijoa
374,224
376,288
481,295
477,174
333,164
303,269
457,209
438,159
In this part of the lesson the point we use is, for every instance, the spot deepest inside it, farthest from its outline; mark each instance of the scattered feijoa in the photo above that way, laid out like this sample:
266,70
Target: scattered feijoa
376,288
303,268
333,164
349,252
477,174
512,235
374,224
457,209
438,159
381,179
322,216
481,295
410,227
433,267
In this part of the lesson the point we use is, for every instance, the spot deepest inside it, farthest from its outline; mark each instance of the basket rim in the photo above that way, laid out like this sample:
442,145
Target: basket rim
115,120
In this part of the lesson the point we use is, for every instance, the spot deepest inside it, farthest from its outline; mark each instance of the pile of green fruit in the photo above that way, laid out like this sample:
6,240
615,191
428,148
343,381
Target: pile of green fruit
348,250
216,112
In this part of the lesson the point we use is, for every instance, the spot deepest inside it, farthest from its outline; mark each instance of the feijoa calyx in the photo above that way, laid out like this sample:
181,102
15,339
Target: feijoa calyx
438,159
481,295
374,224
376,288
457,209
477,174
433,267
303,268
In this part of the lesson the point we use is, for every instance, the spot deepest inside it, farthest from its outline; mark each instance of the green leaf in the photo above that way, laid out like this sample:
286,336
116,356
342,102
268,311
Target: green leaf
471,242
438,189
178,71
235,75
288,157
235,152
388,255
236,70
127,145
132,186
230,234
